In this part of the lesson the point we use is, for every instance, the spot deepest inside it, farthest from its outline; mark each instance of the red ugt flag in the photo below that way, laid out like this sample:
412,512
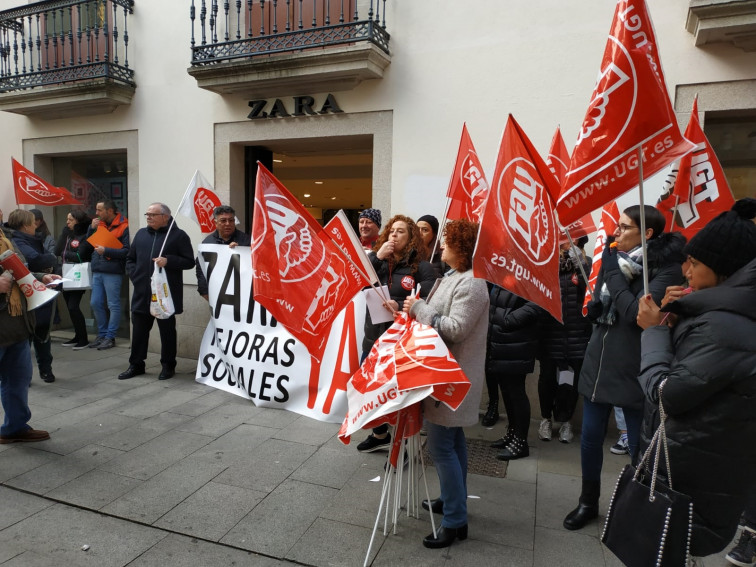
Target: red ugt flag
701,185
517,241
468,187
33,190
607,225
199,202
300,276
629,110
558,161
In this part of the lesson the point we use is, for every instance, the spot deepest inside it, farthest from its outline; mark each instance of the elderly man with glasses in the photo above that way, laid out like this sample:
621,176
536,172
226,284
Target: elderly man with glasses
162,243
225,233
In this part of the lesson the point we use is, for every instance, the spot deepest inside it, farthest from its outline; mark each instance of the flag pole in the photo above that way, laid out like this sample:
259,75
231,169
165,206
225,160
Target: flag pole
582,268
642,220
441,228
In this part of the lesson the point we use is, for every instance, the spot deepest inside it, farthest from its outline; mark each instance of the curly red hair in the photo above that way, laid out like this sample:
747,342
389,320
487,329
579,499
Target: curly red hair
460,235
415,250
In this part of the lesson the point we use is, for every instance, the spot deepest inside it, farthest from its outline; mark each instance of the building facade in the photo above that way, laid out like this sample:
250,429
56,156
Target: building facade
351,103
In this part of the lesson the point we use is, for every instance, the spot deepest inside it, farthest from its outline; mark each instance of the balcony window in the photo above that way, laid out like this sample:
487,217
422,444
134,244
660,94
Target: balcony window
278,47
65,43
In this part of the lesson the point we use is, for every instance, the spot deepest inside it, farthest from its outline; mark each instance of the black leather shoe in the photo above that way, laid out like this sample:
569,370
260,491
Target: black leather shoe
436,506
47,376
166,372
504,441
580,516
445,537
131,371
516,449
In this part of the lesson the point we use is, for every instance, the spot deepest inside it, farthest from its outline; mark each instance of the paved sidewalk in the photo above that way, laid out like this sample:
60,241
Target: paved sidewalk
173,473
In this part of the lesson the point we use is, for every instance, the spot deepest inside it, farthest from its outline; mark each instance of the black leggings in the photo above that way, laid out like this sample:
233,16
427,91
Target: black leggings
73,298
515,398
557,401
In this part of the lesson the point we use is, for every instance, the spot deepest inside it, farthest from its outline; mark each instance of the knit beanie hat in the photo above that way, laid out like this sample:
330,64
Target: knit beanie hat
727,242
373,215
432,221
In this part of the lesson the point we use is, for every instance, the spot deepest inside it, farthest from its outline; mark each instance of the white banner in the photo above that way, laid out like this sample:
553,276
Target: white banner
246,352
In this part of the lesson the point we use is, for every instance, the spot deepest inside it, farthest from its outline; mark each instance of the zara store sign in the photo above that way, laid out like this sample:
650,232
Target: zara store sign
302,106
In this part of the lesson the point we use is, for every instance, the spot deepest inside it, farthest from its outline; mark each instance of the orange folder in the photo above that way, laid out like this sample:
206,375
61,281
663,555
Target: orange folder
103,237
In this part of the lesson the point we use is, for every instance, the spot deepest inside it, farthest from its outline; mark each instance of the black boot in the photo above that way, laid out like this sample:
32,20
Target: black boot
587,508
492,414
517,448
445,537
504,441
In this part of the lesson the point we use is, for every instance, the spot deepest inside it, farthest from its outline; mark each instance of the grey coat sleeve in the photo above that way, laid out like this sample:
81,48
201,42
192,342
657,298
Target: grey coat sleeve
468,304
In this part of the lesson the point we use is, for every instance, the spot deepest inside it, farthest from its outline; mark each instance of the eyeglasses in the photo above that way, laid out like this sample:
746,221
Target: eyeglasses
224,221
625,227
150,215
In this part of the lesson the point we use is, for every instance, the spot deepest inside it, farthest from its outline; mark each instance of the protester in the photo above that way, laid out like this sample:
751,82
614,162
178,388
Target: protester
609,376
369,227
513,330
397,259
42,231
73,248
428,225
704,354
108,267
15,356
146,252
456,308
32,247
225,233
562,345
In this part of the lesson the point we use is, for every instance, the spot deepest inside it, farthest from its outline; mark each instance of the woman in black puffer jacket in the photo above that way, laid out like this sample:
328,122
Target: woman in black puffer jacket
73,248
705,354
513,326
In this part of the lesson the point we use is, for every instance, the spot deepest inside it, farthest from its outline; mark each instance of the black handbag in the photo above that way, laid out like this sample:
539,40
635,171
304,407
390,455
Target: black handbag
648,523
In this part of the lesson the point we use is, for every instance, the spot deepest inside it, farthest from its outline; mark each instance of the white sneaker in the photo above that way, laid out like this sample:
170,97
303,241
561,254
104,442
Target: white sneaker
565,432
621,447
544,430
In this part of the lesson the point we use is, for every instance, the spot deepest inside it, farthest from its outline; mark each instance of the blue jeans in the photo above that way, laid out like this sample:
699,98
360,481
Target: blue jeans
448,449
595,422
106,287
15,377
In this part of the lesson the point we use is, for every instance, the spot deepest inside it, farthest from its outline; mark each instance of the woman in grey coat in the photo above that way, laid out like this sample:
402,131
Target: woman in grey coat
457,308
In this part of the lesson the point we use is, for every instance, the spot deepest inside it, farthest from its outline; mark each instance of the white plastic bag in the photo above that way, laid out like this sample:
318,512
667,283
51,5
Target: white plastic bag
161,304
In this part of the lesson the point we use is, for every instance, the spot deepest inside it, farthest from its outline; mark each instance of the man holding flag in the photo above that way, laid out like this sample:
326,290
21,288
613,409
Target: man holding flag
164,245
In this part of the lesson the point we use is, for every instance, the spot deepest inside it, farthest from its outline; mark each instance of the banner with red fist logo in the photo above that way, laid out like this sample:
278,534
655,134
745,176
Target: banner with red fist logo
199,202
629,115
31,189
408,363
468,187
700,190
300,276
517,242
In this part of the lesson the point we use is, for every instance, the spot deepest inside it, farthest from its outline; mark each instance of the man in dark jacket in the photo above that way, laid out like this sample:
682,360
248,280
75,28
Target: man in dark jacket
108,267
16,326
164,245
225,233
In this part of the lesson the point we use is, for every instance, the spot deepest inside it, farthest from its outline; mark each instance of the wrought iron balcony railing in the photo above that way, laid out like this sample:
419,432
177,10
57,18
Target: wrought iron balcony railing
231,30
63,41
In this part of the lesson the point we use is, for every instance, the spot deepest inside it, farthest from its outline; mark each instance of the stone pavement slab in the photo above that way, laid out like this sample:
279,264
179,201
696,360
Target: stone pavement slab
176,473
